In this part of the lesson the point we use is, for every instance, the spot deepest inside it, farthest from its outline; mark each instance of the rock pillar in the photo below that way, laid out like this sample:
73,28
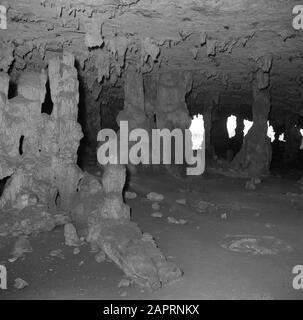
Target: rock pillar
254,157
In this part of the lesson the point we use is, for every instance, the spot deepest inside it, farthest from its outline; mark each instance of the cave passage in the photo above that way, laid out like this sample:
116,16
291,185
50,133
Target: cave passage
151,150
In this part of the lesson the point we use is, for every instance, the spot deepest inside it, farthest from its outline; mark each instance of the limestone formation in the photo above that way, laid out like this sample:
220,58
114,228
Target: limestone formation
171,109
156,102
38,151
93,37
69,68
293,139
209,104
255,156
41,148
133,110
30,220
71,236
90,119
101,215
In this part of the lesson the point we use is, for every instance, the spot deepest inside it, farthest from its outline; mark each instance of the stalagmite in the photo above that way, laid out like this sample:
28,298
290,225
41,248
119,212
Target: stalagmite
104,219
171,109
114,140
219,137
40,153
133,110
209,103
43,167
255,156
235,142
292,139
134,107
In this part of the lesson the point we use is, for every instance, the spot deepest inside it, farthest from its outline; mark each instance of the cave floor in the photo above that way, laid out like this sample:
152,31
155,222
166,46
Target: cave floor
210,271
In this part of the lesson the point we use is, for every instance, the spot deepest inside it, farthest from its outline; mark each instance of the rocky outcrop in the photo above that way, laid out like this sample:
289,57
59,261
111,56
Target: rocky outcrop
216,40
104,219
157,102
134,107
210,101
171,109
39,151
255,156
292,139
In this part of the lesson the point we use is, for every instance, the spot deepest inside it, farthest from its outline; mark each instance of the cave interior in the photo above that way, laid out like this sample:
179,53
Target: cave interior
72,227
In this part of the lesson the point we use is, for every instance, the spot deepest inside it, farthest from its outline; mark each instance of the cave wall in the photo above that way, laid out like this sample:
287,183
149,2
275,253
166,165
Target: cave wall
218,42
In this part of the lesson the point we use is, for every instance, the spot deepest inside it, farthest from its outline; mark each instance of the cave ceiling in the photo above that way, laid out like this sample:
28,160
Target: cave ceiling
219,41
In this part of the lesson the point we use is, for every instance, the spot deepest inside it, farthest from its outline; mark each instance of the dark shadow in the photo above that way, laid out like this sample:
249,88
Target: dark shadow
47,106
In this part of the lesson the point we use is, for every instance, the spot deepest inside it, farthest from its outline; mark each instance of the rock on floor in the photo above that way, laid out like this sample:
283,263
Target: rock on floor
157,215
156,206
20,283
259,245
30,220
250,185
130,195
100,257
136,254
181,201
71,236
57,253
153,196
21,247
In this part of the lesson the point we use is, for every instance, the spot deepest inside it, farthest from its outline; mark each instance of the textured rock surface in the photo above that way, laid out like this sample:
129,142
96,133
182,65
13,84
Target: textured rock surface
157,102
255,155
39,151
220,43
225,36
30,220
171,109
170,59
101,215
134,111
71,236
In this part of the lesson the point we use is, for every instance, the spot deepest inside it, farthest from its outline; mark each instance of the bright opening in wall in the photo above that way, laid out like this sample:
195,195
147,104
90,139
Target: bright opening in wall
231,125
197,131
282,137
270,132
301,147
247,125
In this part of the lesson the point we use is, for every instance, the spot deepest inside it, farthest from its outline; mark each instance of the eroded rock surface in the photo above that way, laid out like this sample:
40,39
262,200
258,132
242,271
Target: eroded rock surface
39,151
104,219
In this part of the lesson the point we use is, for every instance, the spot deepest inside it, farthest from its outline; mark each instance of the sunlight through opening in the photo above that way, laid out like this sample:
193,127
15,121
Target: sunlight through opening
270,132
282,137
247,125
231,125
197,131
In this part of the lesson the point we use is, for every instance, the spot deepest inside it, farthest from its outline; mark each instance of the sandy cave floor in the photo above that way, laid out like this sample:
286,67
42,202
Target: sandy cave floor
210,271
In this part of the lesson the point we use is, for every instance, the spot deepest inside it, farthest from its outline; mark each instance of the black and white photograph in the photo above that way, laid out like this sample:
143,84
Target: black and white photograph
151,153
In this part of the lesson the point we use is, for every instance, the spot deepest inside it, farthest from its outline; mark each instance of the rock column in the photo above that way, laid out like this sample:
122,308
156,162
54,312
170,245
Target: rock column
254,157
